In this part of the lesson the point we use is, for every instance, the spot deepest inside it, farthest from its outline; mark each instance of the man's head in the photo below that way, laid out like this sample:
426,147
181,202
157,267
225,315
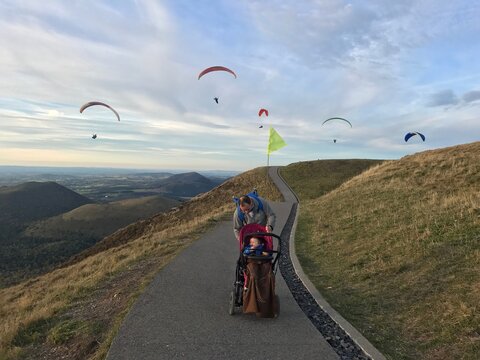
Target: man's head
246,204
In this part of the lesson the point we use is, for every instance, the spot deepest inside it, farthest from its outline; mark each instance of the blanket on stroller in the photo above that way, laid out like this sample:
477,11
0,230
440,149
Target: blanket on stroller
259,297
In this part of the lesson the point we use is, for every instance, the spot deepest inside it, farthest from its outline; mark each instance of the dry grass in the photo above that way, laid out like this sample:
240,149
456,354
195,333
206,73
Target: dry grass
311,179
397,251
33,313
99,220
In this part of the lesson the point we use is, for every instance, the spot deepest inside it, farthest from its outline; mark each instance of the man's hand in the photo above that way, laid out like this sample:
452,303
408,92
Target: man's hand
268,228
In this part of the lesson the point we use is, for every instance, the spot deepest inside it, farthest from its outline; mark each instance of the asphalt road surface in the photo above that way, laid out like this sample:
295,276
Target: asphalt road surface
183,314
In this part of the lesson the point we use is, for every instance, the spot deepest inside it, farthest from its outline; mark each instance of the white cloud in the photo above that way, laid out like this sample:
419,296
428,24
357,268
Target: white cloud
303,60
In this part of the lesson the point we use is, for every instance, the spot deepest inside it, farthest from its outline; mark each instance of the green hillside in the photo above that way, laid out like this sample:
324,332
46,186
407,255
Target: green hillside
33,201
99,220
37,200
311,179
74,311
184,185
396,250
47,243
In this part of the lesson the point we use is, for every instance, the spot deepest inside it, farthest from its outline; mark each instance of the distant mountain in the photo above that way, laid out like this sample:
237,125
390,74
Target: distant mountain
37,200
98,220
184,185
35,247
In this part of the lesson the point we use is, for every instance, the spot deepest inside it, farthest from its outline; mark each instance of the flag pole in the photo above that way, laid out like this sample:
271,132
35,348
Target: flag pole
268,164
268,161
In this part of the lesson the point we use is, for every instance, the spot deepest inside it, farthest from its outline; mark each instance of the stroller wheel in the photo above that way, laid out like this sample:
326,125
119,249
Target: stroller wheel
277,306
231,308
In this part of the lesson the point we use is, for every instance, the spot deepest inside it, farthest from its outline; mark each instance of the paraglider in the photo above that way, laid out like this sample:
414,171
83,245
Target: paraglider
263,111
93,103
410,134
216,99
216,68
94,136
338,118
260,113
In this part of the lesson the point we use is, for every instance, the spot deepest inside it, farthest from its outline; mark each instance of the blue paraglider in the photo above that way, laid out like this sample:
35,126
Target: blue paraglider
410,134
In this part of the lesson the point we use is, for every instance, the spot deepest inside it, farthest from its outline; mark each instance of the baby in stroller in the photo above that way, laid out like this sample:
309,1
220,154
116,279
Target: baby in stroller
254,286
255,247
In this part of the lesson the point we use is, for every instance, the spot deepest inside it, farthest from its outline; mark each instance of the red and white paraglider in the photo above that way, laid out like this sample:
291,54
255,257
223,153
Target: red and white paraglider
260,113
263,111
216,68
95,103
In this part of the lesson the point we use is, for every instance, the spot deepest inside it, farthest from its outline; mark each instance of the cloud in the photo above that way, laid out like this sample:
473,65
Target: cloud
471,96
304,60
443,97
448,97
333,33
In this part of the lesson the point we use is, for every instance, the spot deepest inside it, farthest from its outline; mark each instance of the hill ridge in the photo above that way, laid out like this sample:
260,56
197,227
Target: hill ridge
36,200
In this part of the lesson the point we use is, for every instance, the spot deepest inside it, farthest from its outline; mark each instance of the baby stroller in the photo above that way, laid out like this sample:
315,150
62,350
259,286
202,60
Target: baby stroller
254,286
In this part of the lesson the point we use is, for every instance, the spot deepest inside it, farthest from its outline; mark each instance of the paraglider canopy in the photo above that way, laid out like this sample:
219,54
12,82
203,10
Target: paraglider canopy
338,118
216,68
263,111
94,136
93,103
410,134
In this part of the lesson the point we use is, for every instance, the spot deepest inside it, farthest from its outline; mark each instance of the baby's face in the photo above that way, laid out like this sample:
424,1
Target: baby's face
254,242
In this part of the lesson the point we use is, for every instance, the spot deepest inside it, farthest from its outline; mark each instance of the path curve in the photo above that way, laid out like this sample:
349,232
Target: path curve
183,313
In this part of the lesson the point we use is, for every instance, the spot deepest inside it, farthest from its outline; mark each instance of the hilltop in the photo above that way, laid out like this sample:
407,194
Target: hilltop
184,185
311,179
99,220
396,251
37,200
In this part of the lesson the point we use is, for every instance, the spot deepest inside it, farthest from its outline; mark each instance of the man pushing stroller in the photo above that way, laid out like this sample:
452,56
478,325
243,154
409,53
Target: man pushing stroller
254,286
252,209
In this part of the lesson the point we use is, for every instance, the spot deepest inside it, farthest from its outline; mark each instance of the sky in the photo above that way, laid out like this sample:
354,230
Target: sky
388,67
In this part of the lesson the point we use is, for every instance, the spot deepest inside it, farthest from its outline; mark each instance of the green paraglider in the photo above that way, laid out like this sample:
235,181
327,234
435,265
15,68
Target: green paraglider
338,118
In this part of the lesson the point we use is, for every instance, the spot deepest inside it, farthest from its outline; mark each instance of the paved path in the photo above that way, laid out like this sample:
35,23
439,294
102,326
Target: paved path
183,314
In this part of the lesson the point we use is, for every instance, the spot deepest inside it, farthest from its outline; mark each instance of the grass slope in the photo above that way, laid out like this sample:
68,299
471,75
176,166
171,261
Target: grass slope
396,250
74,311
47,243
36,200
99,220
311,179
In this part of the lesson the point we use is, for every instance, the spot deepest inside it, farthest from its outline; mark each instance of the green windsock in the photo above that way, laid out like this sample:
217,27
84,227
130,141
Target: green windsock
275,141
